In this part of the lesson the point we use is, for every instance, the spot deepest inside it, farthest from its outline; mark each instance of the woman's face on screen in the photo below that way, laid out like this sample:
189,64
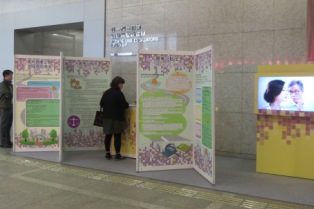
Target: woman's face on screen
283,96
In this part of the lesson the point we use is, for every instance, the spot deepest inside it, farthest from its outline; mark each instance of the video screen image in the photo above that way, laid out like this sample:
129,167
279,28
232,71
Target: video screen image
292,93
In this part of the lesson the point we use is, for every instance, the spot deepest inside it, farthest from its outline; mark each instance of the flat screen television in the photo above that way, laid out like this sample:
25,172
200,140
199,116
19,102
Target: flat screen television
286,93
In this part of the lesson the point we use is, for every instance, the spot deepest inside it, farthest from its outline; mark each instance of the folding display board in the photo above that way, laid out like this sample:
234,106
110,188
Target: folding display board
174,114
204,132
285,118
55,100
165,110
37,103
84,81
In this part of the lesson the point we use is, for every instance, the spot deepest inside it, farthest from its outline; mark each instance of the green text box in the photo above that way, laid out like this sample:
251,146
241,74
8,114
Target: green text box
207,116
42,112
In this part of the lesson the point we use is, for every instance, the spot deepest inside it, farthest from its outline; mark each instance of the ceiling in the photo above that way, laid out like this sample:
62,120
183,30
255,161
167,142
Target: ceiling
71,26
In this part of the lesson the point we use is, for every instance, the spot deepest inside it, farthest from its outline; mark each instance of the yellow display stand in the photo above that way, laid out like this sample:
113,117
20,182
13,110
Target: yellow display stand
128,140
285,139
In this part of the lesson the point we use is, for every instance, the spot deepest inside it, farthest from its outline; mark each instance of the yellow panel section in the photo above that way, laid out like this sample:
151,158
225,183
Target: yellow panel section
300,68
292,156
128,139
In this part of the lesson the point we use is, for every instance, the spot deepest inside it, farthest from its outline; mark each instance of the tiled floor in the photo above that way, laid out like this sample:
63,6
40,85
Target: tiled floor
233,175
30,184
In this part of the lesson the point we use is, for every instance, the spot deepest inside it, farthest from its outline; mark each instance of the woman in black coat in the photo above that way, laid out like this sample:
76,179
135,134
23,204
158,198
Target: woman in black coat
114,104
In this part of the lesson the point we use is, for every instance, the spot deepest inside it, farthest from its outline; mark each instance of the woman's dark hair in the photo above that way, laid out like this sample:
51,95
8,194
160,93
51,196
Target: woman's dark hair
116,81
274,88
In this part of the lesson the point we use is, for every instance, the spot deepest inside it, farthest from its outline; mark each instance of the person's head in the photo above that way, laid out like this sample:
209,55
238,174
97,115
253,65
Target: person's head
117,82
274,91
296,90
7,75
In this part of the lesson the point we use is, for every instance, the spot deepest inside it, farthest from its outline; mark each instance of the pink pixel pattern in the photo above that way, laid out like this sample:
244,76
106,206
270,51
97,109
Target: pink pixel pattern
152,156
162,63
289,128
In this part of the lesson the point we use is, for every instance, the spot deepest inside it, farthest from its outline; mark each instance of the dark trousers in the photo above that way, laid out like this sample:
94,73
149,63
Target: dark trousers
117,142
6,118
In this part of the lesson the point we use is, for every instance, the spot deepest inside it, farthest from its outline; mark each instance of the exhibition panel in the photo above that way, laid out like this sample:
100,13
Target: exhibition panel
37,103
84,81
175,114
284,106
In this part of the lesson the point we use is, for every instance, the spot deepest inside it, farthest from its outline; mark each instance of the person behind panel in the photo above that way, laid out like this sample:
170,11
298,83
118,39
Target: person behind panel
6,109
114,104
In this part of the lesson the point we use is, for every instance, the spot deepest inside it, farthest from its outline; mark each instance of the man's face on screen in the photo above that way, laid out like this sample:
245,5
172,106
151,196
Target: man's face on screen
296,93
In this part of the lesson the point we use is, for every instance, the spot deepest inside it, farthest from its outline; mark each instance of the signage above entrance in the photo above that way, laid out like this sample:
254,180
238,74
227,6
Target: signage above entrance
124,35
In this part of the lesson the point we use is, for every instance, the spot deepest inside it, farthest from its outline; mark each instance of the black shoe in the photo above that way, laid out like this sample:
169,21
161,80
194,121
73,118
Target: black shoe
119,157
6,146
108,156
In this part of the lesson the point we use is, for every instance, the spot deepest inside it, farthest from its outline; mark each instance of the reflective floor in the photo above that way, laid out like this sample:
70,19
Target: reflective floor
34,184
